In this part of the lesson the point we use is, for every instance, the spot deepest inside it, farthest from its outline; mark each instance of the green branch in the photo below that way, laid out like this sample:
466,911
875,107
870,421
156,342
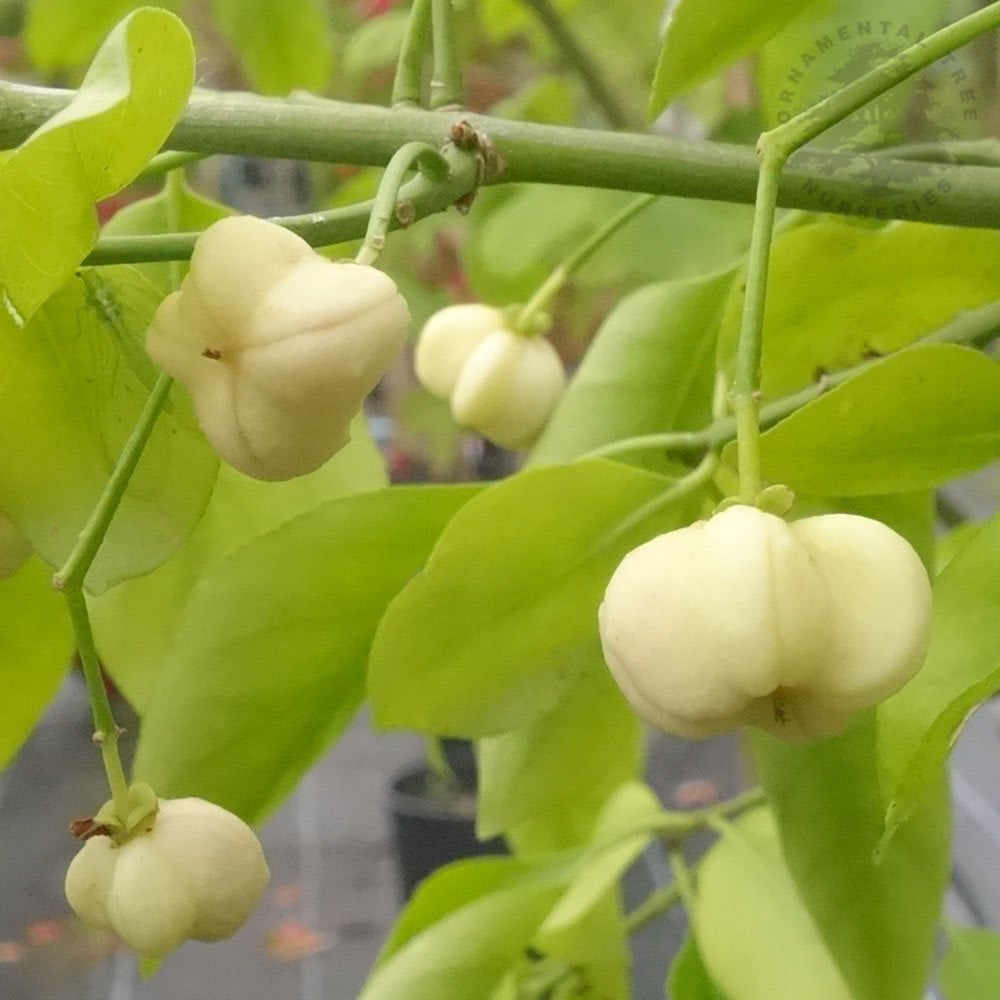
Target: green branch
446,80
387,208
106,731
407,87
423,195
69,579
337,132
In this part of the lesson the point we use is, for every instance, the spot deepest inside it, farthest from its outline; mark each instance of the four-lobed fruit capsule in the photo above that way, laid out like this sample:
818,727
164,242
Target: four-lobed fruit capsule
191,871
748,620
500,383
277,345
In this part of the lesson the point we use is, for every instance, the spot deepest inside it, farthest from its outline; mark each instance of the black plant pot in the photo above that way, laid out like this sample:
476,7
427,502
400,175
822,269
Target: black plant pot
434,821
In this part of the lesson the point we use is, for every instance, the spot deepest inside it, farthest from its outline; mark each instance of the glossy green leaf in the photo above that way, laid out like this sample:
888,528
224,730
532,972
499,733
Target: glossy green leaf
649,369
754,933
878,918
463,929
970,969
699,41
493,634
688,978
544,783
190,212
35,646
130,99
136,622
839,292
284,46
910,422
919,725
78,378
61,34
268,663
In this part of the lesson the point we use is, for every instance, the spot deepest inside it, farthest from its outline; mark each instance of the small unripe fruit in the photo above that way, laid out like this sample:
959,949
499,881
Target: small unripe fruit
746,620
277,345
500,383
446,341
193,870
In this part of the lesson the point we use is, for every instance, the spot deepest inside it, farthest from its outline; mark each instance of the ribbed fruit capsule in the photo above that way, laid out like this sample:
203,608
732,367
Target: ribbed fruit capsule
748,620
277,345
500,383
193,870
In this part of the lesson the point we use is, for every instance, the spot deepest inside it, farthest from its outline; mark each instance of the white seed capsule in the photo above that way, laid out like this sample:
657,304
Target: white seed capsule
499,383
446,341
193,871
277,345
747,620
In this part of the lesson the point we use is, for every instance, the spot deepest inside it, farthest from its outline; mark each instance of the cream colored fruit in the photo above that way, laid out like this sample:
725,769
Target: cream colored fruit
277,345
193,871
508,388
500,383
446,341
748,620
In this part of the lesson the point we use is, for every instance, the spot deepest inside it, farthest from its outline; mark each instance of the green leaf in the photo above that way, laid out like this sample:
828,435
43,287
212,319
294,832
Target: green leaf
61,34
649,369
522,232
187,211
970,969
688,978
910,422
754,933
465,926
919,725
543,784
494,632
130,100
621,834
698,41
78,378
878,918
284,46
35,646
839,292
594,948
267,665
136,623
375,44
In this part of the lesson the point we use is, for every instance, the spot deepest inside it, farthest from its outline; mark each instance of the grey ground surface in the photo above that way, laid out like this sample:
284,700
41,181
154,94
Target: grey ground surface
334,891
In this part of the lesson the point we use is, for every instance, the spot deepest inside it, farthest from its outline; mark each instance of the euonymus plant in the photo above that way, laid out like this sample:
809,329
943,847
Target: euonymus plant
725,515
